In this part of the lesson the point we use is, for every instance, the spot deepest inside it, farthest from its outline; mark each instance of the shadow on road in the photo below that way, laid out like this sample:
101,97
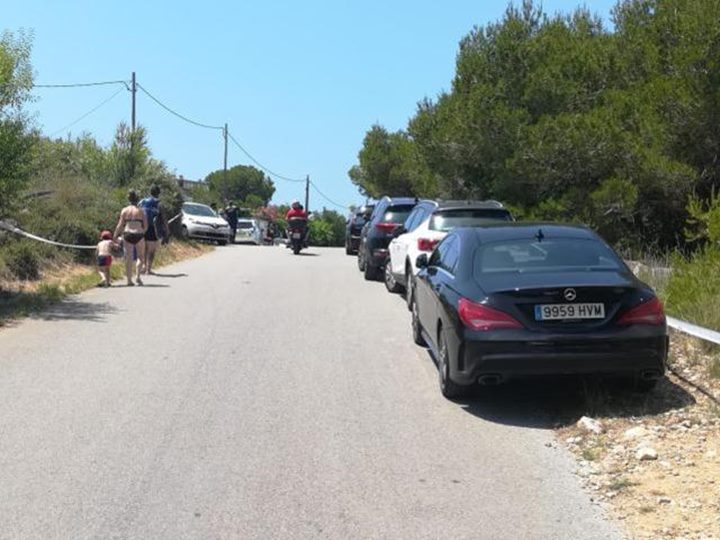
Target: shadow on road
156,274
551,402
548,402
76,310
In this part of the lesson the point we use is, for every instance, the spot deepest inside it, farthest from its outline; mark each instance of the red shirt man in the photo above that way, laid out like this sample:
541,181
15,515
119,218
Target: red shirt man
296,211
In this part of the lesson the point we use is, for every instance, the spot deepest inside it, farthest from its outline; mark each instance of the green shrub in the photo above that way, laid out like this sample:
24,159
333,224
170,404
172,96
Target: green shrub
22,260
693,291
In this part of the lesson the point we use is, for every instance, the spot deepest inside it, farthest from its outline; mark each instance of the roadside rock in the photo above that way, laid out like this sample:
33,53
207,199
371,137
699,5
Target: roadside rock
634,433
646,453
590,424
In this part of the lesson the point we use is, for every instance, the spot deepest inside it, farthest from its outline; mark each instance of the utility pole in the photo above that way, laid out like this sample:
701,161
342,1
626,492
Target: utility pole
133,89
307,193
225,137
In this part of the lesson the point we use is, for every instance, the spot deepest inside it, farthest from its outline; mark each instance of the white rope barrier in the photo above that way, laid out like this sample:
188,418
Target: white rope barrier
11,228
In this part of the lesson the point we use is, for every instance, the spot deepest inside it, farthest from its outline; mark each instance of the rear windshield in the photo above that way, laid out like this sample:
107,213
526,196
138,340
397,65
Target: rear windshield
549,255
244,225
447,220
397,213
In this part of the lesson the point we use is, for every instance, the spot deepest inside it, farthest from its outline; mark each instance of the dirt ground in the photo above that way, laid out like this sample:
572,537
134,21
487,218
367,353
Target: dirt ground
654,461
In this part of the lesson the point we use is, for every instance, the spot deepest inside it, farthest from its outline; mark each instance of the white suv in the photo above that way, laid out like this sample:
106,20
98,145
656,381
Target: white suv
426,225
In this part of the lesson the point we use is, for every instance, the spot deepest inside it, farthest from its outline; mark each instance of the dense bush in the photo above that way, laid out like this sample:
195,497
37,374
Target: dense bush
23,260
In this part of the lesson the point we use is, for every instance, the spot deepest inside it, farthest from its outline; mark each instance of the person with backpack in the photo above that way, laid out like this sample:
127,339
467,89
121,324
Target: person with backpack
157,228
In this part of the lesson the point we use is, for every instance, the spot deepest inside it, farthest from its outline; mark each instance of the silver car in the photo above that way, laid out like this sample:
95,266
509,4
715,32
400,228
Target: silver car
201,222
248,230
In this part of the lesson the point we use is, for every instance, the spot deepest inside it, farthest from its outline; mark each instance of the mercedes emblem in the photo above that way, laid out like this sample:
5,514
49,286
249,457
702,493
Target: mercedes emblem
570,295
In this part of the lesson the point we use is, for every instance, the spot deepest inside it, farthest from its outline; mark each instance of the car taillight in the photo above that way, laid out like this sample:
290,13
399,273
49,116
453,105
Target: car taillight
483,318
426,244
650,312
386,227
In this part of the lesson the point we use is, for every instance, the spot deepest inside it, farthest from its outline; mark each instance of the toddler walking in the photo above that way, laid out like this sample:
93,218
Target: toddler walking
104,257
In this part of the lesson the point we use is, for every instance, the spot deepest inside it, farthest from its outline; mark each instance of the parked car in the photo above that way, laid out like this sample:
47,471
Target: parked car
505,301
427,224
201,222
248,230
389,214
354,226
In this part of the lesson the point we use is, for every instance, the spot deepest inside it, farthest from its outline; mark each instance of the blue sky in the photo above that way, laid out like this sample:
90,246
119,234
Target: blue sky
298,83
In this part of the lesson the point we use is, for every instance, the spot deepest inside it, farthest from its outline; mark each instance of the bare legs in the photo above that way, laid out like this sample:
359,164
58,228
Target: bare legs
134,253
150,249
104,272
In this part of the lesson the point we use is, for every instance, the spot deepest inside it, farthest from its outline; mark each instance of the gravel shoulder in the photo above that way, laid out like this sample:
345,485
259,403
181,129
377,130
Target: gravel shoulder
654,461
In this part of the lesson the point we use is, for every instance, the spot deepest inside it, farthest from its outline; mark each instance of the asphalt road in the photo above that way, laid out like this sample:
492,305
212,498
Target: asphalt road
255,394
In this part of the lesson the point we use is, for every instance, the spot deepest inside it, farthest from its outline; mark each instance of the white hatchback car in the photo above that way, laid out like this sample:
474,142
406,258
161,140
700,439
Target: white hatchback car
426,225
200,222
248,230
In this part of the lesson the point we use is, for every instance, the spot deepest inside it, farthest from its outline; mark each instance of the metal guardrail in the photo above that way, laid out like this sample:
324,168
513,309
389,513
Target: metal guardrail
694,330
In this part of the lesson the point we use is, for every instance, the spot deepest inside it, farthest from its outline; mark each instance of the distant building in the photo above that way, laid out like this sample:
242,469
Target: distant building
191,185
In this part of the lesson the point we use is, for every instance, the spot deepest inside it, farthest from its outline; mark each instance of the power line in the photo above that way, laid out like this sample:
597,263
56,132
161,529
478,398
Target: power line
263,167
80,85
175,113
86,114
328,199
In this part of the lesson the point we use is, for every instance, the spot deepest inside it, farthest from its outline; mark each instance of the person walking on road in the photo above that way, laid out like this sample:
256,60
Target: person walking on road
157,227
232,213
131,228
104,257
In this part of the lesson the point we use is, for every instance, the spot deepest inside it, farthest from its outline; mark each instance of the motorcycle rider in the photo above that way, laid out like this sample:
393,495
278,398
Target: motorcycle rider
298,212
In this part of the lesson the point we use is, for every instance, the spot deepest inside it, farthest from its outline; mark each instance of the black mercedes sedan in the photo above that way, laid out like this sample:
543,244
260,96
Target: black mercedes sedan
515,300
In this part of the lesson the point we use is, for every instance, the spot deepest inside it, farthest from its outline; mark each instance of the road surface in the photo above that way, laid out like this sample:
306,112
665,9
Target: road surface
251,393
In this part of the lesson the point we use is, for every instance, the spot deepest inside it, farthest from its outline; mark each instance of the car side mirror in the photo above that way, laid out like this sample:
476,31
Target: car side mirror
422,260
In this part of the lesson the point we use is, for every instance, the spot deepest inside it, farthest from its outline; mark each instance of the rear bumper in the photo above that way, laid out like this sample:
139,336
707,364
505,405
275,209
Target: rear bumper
562,356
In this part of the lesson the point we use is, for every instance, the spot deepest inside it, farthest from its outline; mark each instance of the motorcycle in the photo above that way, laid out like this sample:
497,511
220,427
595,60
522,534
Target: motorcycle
297,232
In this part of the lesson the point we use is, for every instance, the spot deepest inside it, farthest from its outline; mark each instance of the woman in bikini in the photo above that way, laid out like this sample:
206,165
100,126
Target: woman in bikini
131,228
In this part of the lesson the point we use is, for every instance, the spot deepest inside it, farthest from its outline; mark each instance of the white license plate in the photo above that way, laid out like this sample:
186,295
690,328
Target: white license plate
559,312
296,235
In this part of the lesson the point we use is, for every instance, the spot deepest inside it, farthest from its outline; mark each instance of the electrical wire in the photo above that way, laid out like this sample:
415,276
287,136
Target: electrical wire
328,199
263,167
80,85
175,113
86,114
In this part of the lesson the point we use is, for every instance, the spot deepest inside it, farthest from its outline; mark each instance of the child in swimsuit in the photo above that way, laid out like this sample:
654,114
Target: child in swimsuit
104,257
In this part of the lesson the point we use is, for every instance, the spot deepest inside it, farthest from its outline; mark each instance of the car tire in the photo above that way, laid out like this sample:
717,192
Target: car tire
360,261
184,233
417,329
348,248
222,242
370,273
409,289
448,388
391,283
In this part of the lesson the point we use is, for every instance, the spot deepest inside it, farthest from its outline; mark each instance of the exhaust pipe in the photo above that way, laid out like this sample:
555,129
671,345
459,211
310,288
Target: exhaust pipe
650,375
489,380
